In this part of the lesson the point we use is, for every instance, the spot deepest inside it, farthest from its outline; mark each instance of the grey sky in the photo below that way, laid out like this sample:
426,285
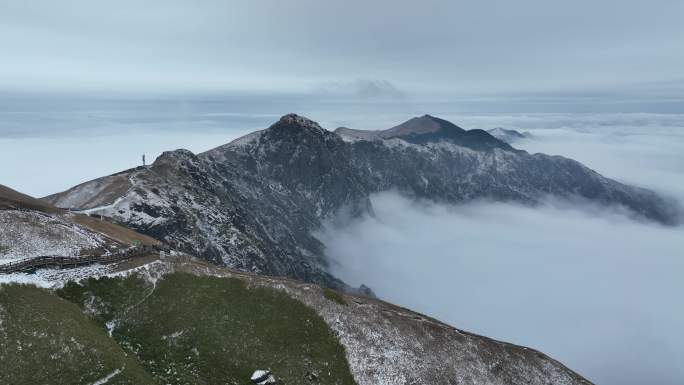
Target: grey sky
429,48
259,59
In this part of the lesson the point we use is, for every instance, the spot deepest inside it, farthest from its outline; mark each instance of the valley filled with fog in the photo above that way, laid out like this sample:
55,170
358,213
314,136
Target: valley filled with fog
128,113
588,285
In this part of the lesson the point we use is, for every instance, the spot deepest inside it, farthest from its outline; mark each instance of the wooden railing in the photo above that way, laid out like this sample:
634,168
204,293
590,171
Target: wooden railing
30,264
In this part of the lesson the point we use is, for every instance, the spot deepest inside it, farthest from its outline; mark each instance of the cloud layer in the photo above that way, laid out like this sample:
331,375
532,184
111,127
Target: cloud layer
587,285
433,47
595,290
362,88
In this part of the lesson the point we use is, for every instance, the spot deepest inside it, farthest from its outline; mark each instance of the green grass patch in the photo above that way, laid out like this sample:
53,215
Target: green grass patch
334,296
106,298
4,249
209,330
47,340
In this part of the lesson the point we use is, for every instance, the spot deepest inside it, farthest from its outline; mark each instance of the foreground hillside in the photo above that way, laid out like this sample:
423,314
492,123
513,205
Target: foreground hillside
253,204
30,227
183,321
45,339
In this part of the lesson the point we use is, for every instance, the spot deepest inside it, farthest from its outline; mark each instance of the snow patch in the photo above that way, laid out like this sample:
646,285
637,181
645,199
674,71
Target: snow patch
106,379
28,234
55,278
111,325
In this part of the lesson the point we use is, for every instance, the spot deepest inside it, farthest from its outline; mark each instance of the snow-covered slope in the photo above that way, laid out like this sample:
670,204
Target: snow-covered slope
26,234
97,193
31,228
253,204
425,129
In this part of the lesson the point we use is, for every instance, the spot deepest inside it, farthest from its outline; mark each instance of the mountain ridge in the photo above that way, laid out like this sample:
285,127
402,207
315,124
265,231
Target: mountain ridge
427,128
253,203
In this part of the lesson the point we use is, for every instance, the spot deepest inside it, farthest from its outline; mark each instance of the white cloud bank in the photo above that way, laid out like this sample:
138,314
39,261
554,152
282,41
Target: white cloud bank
589,286
595,290
362,88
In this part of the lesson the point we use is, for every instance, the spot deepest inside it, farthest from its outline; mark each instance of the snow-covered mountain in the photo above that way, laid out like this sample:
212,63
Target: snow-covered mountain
30,228
427,129
253,203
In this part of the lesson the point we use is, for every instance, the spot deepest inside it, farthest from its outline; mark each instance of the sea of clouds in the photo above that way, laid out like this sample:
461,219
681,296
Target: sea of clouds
588,285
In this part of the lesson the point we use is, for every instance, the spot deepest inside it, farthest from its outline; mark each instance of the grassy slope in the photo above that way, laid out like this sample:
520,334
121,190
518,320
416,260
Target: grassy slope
47,340
11,200
334,296
206,330
117,232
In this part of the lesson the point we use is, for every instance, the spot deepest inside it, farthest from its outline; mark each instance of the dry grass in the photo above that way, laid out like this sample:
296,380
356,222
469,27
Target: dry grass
116,232
12,200
105,190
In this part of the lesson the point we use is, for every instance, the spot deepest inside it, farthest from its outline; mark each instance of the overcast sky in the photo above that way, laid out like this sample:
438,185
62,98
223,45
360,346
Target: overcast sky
218,69
428,48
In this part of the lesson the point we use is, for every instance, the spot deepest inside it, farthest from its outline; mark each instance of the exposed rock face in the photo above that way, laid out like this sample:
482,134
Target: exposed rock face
253,203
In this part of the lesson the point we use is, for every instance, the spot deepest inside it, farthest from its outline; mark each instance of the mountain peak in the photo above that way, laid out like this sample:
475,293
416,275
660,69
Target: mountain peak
426,124
180,153
296,123
171,159
429,129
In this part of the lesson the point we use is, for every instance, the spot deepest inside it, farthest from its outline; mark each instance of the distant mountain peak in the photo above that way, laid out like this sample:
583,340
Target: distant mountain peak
426,124
293,118
429,129
294,123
